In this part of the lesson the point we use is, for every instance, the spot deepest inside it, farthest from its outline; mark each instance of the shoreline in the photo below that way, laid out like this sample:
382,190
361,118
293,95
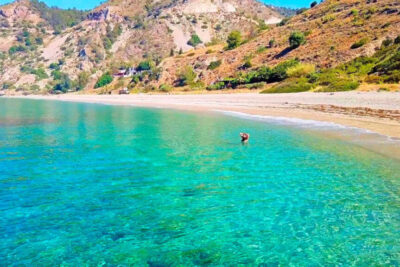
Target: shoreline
373,111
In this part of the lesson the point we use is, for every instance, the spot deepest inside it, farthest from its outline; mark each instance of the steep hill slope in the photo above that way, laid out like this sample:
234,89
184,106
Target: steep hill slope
332,29
154,28
123,32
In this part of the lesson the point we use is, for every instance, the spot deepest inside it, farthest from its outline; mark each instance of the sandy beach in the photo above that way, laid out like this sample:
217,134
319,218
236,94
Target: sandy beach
375,111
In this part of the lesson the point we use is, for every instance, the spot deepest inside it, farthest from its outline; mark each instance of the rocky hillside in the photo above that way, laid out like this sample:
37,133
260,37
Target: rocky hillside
35,51
334,32
199,44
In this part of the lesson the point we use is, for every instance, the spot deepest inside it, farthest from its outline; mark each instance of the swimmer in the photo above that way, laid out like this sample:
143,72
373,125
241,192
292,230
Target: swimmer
245,137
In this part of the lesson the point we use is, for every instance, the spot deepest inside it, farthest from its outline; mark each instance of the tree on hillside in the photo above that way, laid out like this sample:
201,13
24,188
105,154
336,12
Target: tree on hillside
59,18
313,4
186,76
104,80
64,83
83,79
194,40
145,65
234,39
296,39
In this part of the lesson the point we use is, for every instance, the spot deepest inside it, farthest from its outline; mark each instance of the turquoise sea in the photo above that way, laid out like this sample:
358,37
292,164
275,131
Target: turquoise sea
97,185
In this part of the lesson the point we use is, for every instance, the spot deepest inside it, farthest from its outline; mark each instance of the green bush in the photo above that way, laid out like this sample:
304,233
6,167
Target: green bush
39,40
64,83
194,40
217,86
145,65
300,70
83,80
26,69
234,39
247,64
261,74
56,74
40,73
28,41
389,64
198,85
394,77
290,86
261,49
358,66
165,88
328,18
16,49
296,39
341,85
215,64
54,66
111,36
397,40
104,80
186,76
107,43
279,73
345,86
359,44
354,12
262,26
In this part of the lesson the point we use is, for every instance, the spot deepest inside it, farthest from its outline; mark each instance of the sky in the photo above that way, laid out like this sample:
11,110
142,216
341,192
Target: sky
89,4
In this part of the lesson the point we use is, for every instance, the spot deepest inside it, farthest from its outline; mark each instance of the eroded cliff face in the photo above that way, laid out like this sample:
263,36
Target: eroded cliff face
100,15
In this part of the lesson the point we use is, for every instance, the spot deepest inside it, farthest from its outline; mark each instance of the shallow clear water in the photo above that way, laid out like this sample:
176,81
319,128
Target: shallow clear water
85,184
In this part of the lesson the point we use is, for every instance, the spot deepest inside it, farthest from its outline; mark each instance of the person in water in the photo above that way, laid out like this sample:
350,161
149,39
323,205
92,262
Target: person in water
245,137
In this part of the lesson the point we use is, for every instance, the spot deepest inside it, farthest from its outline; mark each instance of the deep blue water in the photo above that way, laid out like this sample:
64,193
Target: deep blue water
85,184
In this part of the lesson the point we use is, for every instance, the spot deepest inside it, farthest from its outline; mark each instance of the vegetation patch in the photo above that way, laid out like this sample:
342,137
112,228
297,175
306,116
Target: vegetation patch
296,39
290,86
359,44
300,70
262,74
165,88
104,80
234,40
59,18
341,85
194,40
145,65
186,76
215,64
